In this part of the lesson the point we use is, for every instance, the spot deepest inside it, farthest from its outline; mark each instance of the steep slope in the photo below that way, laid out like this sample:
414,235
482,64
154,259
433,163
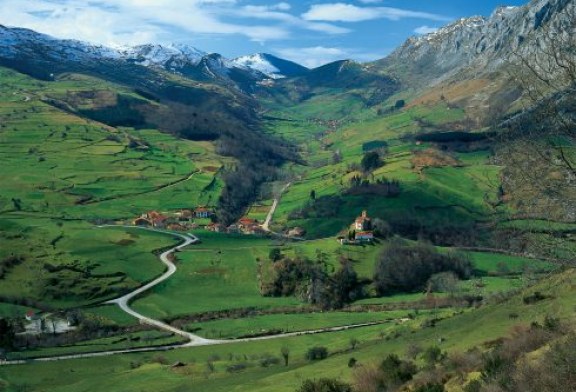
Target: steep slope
42,56
272,66
473,46
203,102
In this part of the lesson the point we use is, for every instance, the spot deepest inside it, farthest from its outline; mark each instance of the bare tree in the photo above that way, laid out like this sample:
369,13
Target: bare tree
538,144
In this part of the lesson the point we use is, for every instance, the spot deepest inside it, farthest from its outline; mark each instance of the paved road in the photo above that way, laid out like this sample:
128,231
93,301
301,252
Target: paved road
193,340
266,224
124,301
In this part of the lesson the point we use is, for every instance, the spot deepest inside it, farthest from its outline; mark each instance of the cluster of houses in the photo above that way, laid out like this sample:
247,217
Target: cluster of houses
181,220
244,225
188,219
360,231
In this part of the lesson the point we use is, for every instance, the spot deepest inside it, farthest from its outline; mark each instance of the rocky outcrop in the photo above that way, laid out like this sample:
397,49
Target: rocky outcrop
475,45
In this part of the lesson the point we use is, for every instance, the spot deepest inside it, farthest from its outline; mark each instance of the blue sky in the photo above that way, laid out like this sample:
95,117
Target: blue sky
311,32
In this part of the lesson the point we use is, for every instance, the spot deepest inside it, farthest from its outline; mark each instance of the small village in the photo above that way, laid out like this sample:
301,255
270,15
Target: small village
360,231
201,218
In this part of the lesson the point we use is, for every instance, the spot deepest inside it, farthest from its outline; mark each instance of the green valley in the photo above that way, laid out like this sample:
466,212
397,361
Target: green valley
172,220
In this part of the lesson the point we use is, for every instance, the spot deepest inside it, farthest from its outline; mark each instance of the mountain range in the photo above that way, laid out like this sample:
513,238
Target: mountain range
466,48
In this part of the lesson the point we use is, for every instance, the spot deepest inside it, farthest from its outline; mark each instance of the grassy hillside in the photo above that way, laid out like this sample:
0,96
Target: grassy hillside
63,170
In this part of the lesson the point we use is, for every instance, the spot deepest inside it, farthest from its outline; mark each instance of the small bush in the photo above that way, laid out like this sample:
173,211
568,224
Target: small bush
317,353
269,360
532,299
324,385
430,387
237,367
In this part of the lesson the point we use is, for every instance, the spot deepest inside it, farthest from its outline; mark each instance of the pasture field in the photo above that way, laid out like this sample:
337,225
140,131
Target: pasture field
226,266
206,367
264,325
433,194
211,277
117,342
63,174
68,263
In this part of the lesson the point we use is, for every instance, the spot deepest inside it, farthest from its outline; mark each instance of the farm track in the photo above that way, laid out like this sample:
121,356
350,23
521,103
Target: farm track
193,340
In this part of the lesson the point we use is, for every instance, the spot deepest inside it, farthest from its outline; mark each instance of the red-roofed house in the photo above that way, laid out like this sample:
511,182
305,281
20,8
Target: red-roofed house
363,222
364,236
31,315
152,218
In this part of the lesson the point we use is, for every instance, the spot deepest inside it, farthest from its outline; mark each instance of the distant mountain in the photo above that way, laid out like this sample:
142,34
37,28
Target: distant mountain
271,66
350,84
42,55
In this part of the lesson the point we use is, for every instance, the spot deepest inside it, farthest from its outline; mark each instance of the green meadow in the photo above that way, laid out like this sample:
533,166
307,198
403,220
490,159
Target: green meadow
206,368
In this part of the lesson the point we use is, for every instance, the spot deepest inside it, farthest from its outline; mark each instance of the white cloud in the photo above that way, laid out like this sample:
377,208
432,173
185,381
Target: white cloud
132,22
121,22
425,30
312,57
316,56
342,12
272,13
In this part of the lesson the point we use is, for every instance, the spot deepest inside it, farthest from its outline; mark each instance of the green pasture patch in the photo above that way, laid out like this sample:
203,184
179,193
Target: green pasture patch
67,264
112,313
12,311
284,323
118,342
494,263
217,276
458,332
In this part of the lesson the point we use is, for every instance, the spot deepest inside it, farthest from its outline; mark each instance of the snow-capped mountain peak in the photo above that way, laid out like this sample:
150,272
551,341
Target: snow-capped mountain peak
269,65
169,56
260,63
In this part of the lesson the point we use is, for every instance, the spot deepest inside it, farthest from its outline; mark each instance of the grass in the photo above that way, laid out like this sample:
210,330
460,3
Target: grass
457,193
216,275
118,342
69,263
143,371
64,171
262,325
112,314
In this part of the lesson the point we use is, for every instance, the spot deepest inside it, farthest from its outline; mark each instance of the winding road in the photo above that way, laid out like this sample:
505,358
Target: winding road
193,340
124,301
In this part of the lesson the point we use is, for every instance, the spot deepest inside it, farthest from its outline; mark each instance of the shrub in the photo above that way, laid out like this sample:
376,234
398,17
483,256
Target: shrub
269,360
324,385
317,353
432,355
370,161
430,387
532,299
396,371
237,367
407,268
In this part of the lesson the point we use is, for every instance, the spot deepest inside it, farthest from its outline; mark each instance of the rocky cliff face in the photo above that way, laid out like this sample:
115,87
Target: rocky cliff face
476,45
